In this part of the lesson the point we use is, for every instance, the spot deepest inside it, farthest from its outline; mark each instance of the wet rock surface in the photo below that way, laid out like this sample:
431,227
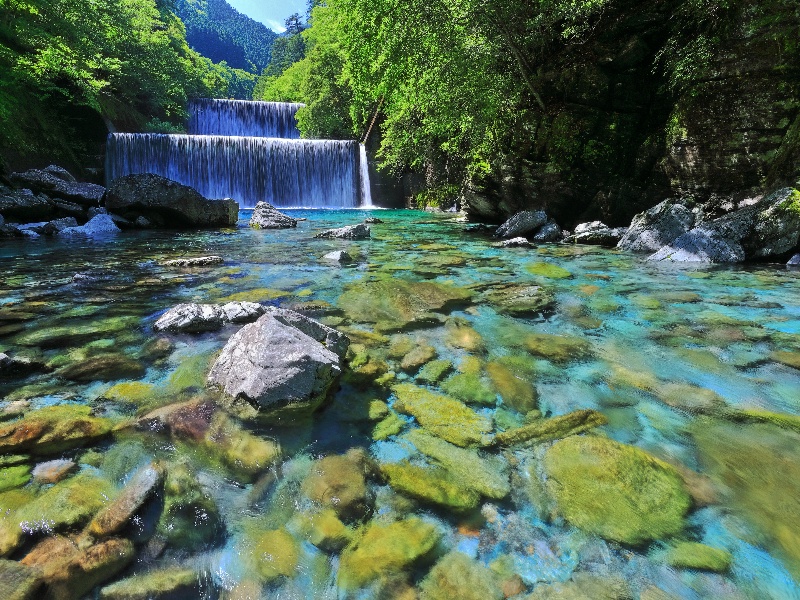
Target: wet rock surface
350,232
197,318
266,216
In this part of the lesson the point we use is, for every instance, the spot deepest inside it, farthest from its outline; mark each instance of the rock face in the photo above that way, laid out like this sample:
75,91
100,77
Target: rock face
58,183
351,232
770,227
596,233
266,216
522,223
283,360
25,206
197,318
657,227
166,203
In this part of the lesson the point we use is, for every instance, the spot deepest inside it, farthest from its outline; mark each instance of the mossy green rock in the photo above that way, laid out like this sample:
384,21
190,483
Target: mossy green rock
430,484
324,529
514,387
459,576
386,550
486,475
396,304
103,367
338,482
19,582
53,429
548,270
616,491
692,555
14,477
519,300
58,337
275,554
557,348
164,583
442,416
391,425
190,518
469,388
434,371
544,430
583,586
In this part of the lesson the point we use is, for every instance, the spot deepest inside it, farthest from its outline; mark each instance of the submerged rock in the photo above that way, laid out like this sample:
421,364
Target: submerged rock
116,515
283,360
459,576
442,416
692,555
557,348
159,584
19,366
522,223
103,367
190,518
19,582
324,530
200,261
350,232
338,482
167,203
266,216
53,429
430,484
657,227
584,586
198,318
385,550
616,491
53,471
520,300
340,256
545,430
276,554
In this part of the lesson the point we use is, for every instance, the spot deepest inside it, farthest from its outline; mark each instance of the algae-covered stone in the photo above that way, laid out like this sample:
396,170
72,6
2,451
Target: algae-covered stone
57,337
117,514
417,357
190,517
14,477
386,550
103,367
614,490
275,554
790,359
459,576
434,371
154,585
557,348
520,300
19,582
692,555
548,270
339,482
53,429
584,586
430,484
325,530
486,475
544,430
135,392
396,304
391,425
443,416
514,387
461,335
469,388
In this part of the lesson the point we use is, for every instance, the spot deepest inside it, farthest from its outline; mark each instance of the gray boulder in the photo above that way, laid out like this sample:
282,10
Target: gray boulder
168,204
340,256
57,183
350,232
597,233
284,360
198,318
266,216
657,227
548,233
517,242
522,223
98,226
770,227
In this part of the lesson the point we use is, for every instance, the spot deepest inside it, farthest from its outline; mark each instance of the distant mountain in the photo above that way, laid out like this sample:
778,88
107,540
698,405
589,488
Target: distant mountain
217,30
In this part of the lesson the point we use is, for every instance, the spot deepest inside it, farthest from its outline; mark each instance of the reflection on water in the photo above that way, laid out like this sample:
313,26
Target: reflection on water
679,478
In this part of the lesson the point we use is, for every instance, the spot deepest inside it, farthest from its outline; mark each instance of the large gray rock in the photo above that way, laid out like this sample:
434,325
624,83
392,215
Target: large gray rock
283,360
521,224
770,227
55,182
350,232
98,226
197,318
596,233
166,203
266,216
657,227
549,232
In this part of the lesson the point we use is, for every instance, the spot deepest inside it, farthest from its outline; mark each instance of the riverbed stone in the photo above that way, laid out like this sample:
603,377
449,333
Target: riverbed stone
70,570
116,515
53,471
283,360
197,261
522,223
160,584
53,429
548,270
198,318
275,554
469,388
557,348
349,232
97,226
190,518
434,371
417,357
596,233
13,477
616,491
488,475
520,300
266,216
167,203
338,482
658,226
693,555
514,384
339,256
19,582
517,242
103,367
544,430
456,575
583,586
72,335
442,416
430,484
385,550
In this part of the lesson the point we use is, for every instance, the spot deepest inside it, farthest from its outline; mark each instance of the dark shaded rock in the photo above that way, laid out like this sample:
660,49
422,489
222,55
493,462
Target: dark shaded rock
104,367
190,518
10,231
196,318
19,582
522,223
24,206
116,515
350,232
794,261
657,227
284,359
162,584
548,233
266,216
200,261
167,203
53,227
56,186
60,172
480,228
338,482
340,256
596,233
20,366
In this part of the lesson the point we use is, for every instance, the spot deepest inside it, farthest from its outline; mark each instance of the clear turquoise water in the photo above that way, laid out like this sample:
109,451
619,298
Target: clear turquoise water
662,337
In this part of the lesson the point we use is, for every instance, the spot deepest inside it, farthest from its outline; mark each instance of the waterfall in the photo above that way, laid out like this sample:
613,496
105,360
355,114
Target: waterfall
243,118
363,172
283,172
248,151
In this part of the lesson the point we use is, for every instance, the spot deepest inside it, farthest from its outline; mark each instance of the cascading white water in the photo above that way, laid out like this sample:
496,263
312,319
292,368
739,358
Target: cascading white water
243,118
283,172
363,171
248,151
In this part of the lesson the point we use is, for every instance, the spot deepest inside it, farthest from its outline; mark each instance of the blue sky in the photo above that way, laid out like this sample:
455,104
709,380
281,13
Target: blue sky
270,12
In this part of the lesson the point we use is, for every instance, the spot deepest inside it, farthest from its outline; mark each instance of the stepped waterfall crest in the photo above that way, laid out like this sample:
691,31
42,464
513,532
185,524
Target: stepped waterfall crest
248,151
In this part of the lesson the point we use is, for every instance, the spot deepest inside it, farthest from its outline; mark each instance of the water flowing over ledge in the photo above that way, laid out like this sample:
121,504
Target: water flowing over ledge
283,172
243,118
